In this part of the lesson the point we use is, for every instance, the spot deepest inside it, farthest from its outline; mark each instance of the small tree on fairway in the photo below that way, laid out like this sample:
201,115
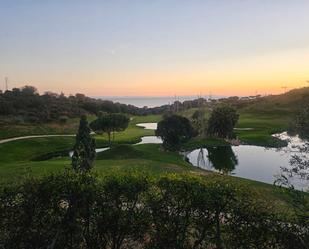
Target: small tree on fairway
222,122
174,130
110,123
84,148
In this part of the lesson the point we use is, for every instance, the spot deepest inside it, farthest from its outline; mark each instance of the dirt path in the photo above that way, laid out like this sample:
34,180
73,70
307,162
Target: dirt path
32,136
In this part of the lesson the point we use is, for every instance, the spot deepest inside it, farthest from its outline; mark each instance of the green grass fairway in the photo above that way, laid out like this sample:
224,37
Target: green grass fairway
264,125
29,149
147,158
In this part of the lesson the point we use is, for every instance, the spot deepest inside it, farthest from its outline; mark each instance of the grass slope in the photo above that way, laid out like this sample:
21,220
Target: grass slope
147,158
263,126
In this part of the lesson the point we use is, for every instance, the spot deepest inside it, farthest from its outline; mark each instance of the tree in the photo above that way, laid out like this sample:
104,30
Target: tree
110,123
302,122
84,148
30,90
222,122
199,121
174,130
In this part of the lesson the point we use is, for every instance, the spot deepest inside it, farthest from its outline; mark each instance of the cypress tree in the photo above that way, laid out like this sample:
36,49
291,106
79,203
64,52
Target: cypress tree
84,148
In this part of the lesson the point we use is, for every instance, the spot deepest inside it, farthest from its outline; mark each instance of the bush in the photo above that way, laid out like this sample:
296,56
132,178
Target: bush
63,119
134,211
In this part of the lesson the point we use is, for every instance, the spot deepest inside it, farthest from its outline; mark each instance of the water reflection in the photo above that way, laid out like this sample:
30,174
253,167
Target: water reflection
221,158
252,162
201,162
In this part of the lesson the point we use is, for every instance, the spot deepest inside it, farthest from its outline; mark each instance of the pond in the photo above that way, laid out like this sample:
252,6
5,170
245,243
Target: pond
145,139
148,126
251,162
149,139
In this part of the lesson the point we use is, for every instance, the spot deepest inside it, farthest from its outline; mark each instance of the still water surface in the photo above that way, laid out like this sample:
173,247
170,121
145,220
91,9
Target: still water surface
251,162
148,126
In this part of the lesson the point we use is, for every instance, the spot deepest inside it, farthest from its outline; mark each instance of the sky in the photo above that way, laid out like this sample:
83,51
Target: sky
155,47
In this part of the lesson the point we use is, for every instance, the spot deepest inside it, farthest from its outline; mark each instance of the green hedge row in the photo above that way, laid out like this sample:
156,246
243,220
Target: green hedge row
134,211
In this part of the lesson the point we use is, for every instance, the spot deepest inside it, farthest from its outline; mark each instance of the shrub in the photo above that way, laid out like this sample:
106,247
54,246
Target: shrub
128,210
63,119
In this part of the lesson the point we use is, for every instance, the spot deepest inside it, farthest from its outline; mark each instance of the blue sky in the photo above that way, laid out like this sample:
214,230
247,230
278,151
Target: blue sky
129,47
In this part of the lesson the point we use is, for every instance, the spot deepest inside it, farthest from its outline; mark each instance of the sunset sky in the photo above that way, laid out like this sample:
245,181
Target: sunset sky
155,47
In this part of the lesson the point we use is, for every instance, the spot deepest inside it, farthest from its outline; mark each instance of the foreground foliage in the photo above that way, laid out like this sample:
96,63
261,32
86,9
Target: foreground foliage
134,211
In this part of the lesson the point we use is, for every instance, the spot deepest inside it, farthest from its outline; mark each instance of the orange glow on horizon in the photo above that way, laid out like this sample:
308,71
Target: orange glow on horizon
265,74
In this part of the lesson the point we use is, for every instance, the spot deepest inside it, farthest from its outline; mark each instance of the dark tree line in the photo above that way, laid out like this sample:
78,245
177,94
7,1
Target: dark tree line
27,105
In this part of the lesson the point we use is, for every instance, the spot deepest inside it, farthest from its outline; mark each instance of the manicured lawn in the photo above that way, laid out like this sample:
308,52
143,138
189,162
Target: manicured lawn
28,149
264,125
152,152
147,157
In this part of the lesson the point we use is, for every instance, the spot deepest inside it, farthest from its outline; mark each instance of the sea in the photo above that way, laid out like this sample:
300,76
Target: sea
155,101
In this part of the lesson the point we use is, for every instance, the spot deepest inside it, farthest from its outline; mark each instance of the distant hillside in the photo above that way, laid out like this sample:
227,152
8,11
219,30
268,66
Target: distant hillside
26,105
282,103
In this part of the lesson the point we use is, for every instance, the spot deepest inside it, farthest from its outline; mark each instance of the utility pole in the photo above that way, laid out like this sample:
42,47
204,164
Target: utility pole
198,101
175,103
210,96
284,87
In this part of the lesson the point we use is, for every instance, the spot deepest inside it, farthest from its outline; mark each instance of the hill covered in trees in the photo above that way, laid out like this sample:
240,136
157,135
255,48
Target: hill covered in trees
25,104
